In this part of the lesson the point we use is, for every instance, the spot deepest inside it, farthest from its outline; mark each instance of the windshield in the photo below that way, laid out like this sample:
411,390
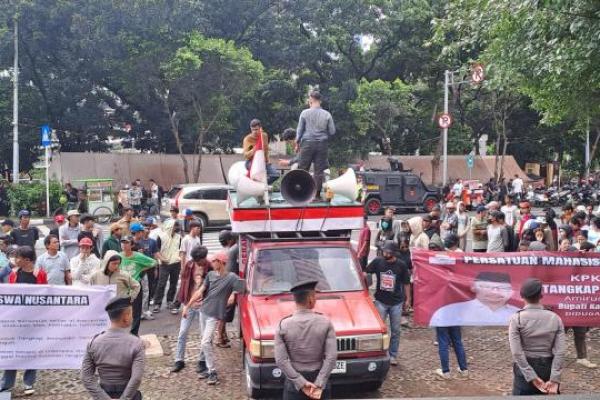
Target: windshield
277,270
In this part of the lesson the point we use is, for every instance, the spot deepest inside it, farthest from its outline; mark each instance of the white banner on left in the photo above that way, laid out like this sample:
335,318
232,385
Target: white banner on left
49,327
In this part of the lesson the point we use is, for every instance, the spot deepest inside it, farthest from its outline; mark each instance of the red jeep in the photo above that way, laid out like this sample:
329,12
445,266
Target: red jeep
271,262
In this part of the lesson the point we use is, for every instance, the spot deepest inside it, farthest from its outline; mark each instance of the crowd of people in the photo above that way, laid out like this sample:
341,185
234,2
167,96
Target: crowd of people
142,260
504,225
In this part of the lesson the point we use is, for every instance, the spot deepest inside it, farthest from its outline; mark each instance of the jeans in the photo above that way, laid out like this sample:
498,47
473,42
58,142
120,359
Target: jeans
168,272
272,173
445,335
314,152
10,375
209,325
395,313
137,314
579,334
184,328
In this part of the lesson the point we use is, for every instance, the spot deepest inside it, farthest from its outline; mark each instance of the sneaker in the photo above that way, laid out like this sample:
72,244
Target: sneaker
143,316
404,322
5,390
213,379
148,315
463,374
435,343
174,310
156,309
204,374
393,361
201,367
178,366
29,390
441,374
586,363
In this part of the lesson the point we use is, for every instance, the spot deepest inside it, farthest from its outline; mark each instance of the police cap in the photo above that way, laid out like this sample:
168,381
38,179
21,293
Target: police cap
118,303
301,286
532,287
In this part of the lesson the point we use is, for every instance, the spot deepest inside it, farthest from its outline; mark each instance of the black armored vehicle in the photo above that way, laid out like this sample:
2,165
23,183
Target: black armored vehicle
397,188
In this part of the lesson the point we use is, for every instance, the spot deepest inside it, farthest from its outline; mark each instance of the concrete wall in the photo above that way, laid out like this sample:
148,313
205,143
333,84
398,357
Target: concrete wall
167,170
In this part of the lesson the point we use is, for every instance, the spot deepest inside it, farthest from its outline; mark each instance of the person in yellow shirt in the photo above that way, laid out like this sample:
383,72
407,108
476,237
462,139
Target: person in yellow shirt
249,145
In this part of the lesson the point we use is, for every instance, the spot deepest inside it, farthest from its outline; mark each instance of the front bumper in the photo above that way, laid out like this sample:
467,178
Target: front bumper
358,371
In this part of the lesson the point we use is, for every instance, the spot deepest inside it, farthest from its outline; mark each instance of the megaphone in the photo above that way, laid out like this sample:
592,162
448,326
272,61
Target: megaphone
237,170
344,185
247,188
298,187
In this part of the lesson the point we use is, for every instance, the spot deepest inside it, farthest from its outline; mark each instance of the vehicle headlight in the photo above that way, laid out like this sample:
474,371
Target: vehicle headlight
386,341
262,348
372,342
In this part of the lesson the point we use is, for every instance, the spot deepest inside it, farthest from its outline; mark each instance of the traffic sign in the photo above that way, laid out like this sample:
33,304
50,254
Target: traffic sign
46,132
477,73
470,161
445,120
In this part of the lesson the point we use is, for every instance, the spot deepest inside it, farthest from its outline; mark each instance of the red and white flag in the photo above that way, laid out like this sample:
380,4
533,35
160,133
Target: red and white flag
258,166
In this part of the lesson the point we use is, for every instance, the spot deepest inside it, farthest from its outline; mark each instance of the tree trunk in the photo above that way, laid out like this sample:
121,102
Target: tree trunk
199,145
175,131
497,159
435,161
504,146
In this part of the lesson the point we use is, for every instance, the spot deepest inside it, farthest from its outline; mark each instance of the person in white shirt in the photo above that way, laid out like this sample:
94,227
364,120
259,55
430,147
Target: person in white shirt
490,306
457,188
498,240
84,264
510,211
517,186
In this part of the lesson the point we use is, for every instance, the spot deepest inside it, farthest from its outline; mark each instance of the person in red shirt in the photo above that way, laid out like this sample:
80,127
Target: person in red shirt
25,273
525,210
364,244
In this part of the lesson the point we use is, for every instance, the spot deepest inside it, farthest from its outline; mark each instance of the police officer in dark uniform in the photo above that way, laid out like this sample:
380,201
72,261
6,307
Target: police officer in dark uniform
117,355
305,347
537,344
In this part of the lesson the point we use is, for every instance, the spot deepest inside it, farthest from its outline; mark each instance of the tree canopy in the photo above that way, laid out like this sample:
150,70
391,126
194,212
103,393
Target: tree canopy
186,76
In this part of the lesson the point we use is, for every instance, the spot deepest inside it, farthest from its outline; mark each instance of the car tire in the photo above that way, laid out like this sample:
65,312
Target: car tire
203,220
251,391
373,206
429,203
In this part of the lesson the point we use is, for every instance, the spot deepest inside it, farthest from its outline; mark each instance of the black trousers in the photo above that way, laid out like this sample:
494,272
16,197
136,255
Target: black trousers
115,392
314,152
152,282
170,273
541,366
137,313
290,392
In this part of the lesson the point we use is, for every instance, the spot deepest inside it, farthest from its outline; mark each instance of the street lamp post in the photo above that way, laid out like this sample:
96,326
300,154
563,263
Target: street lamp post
16,106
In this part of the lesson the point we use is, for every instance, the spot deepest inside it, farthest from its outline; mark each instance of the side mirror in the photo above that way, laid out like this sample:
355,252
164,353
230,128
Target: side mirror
240,287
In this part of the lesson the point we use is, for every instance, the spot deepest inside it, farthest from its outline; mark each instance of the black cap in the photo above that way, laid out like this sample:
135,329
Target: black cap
427,218
307,284
389,247
127,238
532,287
490,276
8,222
118,303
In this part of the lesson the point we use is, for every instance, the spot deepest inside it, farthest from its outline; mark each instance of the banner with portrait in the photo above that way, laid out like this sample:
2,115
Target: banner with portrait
49,327
482,289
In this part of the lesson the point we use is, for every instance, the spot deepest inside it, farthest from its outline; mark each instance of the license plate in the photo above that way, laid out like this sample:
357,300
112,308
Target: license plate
340,367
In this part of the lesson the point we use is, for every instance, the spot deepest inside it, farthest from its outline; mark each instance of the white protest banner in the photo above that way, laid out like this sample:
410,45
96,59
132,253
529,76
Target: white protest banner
49,327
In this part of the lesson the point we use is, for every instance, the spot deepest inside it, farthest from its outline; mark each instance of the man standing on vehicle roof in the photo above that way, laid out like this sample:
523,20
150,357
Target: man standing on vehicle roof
315,127
249,144
305,347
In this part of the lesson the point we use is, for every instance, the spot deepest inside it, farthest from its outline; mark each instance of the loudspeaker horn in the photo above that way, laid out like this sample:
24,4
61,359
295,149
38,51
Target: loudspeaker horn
298,187
344,185
236,170
247,188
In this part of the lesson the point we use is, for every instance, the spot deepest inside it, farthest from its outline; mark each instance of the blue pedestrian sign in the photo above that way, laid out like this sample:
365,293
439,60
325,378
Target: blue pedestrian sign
470,161
46,136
